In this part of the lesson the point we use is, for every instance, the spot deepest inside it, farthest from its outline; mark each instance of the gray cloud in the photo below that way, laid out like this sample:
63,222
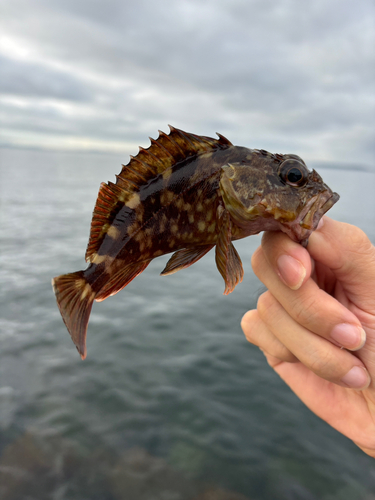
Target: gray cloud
283,75
37,80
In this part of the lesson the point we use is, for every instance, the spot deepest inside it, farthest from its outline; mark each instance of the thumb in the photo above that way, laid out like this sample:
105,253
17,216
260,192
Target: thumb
348,252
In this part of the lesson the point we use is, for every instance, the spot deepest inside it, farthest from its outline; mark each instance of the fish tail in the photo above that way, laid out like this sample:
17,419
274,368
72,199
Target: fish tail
74,297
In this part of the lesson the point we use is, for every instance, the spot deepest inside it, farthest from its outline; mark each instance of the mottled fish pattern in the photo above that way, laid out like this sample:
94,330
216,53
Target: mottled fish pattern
187,194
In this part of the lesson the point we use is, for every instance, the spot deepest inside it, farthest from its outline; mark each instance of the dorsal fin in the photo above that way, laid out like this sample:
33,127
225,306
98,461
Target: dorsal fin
164,152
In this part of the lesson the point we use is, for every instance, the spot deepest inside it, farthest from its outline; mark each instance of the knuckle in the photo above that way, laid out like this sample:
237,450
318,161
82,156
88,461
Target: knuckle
277,349
247,323
265,304
359,237
251,326
252,335
291,358
361,244
359,247
304,311
288,356
323,363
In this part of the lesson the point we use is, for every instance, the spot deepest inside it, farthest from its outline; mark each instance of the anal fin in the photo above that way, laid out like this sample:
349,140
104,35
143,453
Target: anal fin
120,279
227,259
185,258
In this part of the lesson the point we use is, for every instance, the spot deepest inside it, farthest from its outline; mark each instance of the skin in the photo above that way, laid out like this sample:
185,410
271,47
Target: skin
296,324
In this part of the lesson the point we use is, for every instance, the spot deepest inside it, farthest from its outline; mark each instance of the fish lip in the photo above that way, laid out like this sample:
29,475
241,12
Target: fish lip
328,204
310,216
324,202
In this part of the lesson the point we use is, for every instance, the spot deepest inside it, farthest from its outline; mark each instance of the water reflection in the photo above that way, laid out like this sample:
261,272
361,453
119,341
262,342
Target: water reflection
32,468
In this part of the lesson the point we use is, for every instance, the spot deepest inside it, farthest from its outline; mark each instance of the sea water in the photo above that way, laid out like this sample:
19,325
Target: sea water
172,402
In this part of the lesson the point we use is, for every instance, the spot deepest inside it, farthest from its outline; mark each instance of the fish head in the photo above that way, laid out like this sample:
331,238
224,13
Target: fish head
275,192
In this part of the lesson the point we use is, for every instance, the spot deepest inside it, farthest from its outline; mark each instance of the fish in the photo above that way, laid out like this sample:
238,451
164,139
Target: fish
187,194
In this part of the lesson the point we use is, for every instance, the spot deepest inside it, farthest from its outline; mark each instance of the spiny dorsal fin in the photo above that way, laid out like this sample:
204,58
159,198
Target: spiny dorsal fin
164,152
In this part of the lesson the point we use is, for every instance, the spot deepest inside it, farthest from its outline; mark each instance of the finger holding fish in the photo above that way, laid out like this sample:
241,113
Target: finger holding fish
336,383
308,305
317,354
257,332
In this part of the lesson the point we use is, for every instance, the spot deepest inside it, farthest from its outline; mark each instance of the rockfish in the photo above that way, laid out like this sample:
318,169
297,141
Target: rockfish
187,194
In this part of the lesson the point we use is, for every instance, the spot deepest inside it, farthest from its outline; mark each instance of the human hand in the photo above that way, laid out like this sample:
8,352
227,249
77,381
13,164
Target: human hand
316,323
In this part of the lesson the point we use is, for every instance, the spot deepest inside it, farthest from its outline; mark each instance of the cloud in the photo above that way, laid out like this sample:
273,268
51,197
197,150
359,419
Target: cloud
37,80
286,75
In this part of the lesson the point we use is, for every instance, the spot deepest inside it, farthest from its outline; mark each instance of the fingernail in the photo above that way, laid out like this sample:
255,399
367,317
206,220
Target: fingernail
349,336
320,225
357,378
291,271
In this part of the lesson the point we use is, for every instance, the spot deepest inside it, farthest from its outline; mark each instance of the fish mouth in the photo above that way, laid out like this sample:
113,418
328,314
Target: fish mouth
309,218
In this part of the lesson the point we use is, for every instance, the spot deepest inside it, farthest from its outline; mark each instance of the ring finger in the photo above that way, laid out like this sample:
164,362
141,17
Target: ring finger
318,354
257,333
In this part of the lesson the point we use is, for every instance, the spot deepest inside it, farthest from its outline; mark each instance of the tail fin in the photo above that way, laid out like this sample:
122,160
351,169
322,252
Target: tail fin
74,297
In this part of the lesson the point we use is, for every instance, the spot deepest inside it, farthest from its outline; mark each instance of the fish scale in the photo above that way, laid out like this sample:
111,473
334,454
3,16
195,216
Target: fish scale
188,194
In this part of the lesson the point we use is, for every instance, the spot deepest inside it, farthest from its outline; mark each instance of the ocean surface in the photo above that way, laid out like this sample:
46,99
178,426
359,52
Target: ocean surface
171,403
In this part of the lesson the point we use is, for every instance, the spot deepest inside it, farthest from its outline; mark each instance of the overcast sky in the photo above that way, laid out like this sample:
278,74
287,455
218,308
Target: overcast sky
291,76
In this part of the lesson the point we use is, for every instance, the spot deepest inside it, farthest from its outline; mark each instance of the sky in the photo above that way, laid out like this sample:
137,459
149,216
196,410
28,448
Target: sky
288,76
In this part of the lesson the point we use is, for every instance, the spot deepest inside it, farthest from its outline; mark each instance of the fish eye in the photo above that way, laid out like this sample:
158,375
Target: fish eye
293,172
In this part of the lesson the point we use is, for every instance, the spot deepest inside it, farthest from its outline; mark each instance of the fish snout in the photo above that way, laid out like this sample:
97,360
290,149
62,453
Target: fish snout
318,208
308,220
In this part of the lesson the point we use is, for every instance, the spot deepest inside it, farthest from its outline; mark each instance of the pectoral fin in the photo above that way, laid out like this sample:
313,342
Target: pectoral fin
185,258
227,259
